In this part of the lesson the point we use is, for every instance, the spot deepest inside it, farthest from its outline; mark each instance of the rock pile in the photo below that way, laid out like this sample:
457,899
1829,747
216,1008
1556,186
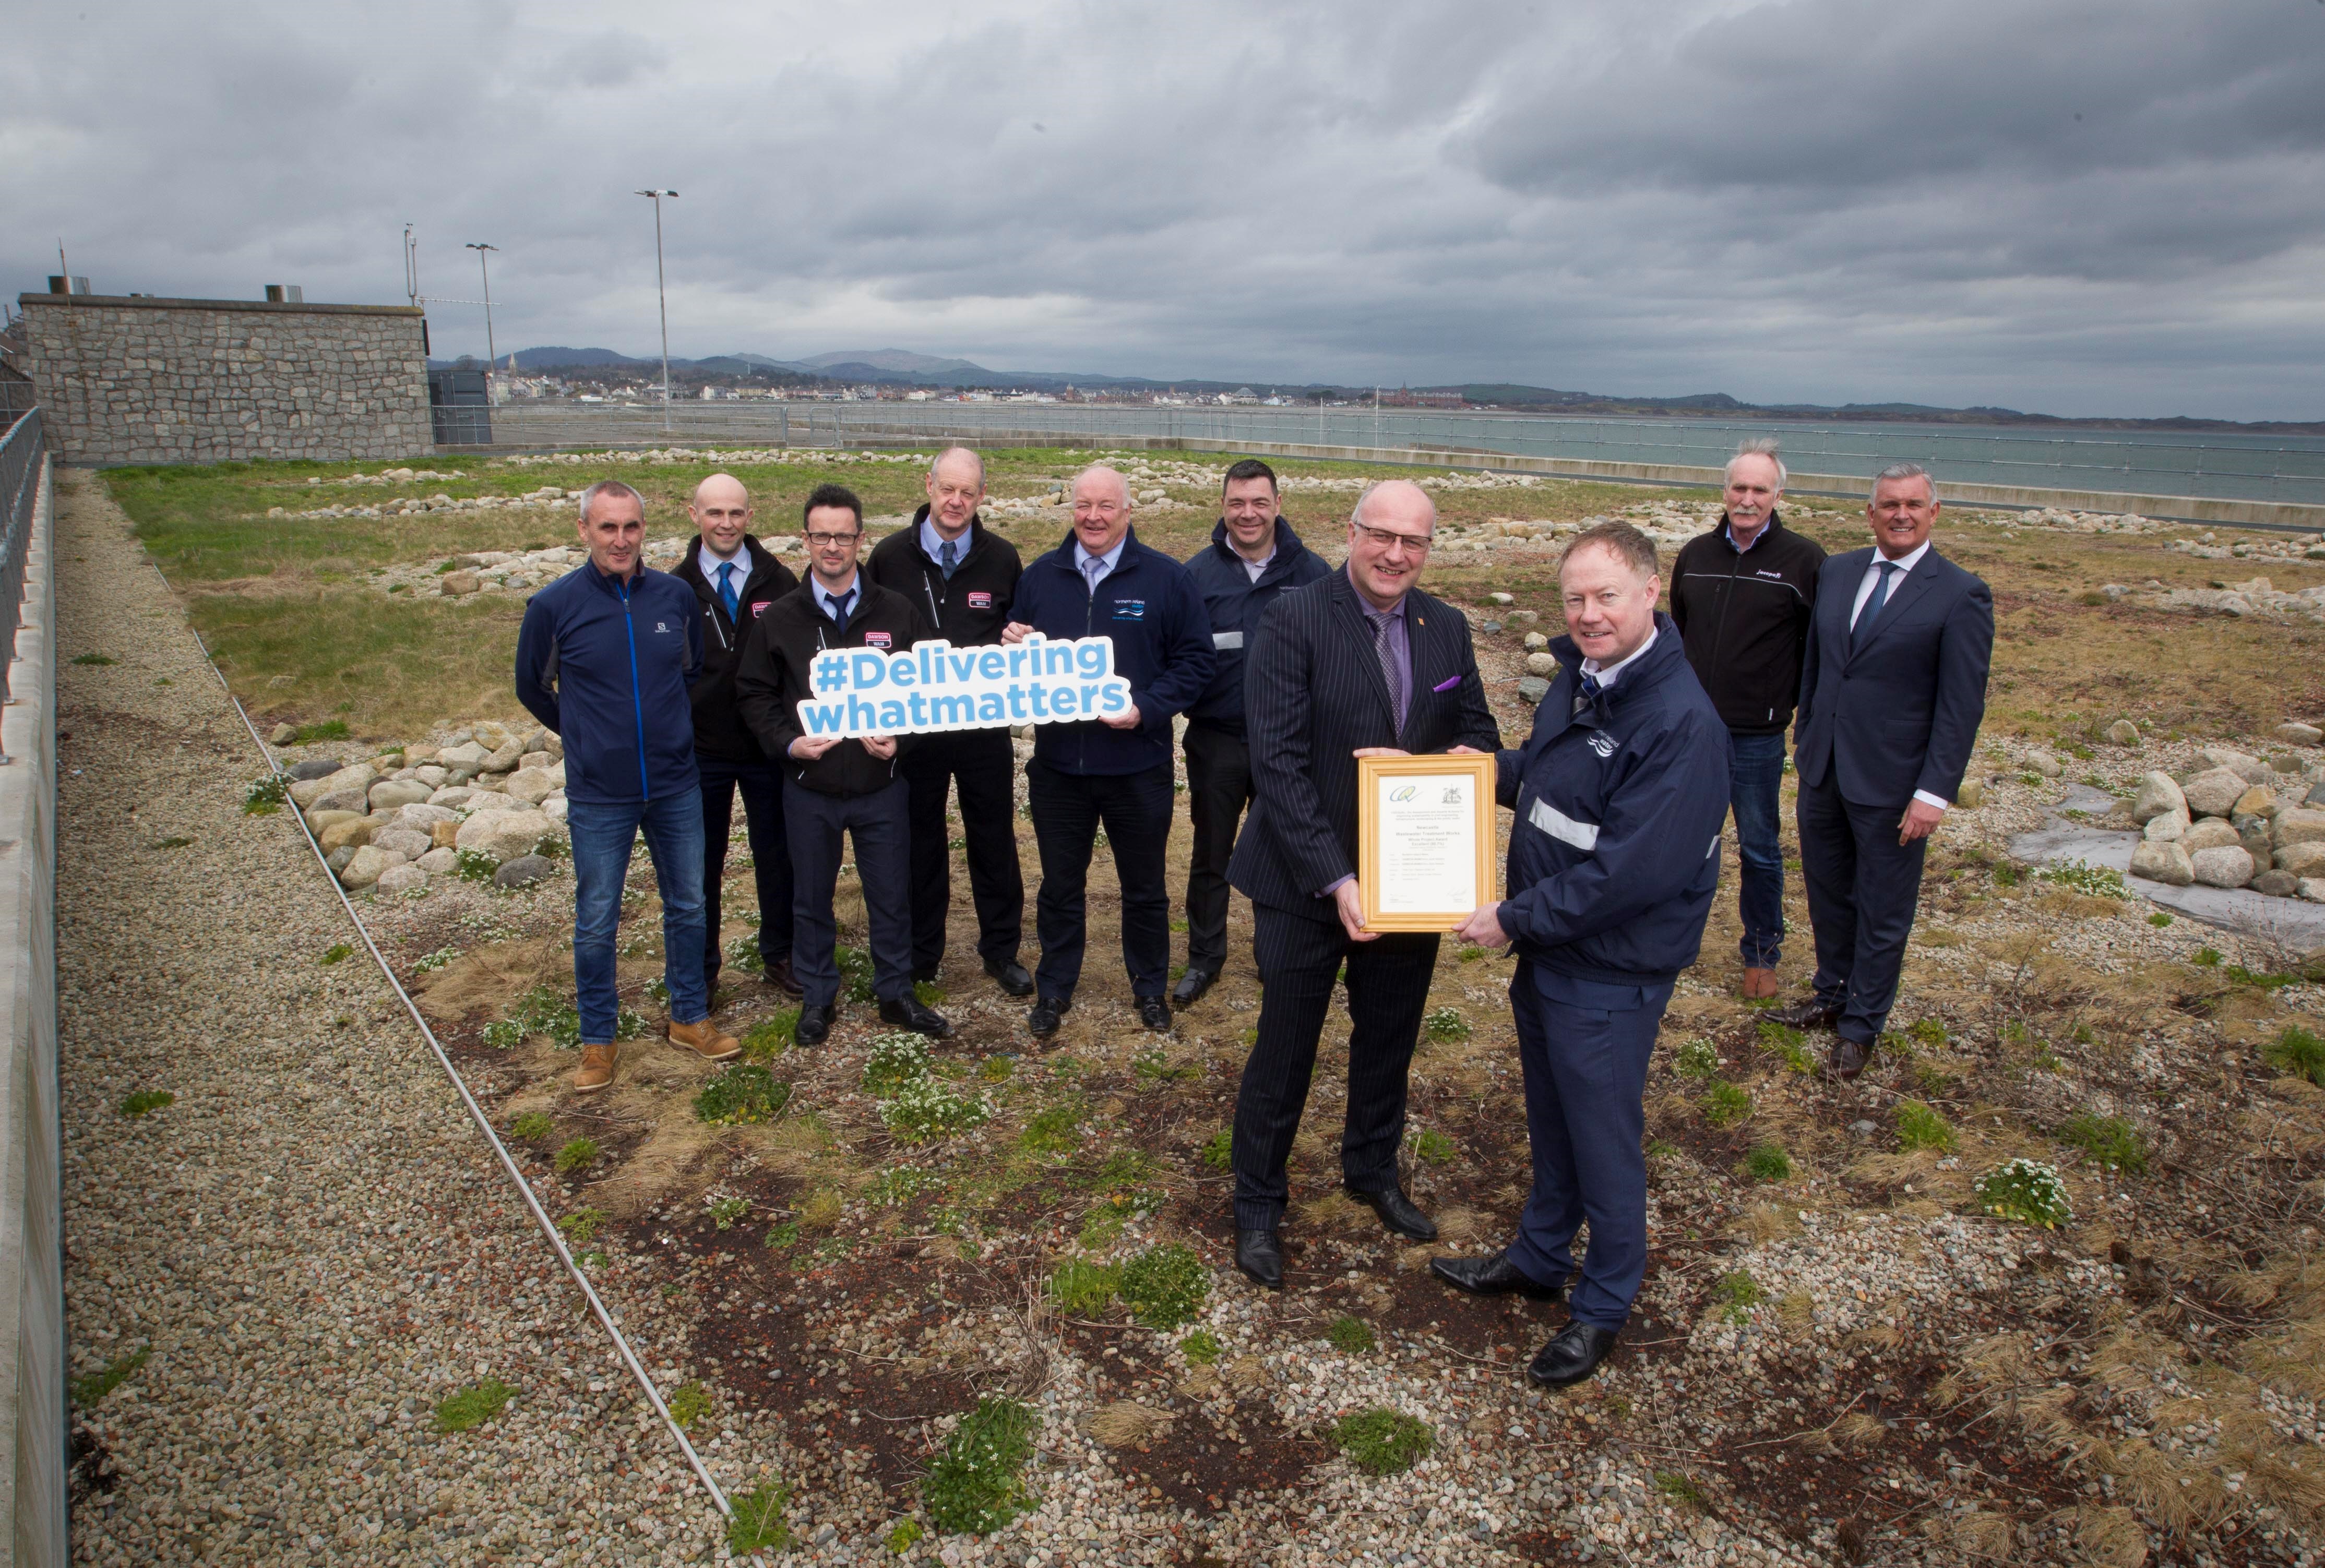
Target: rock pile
2225,824
740,454
394,821
415,506
2268,547
2257,595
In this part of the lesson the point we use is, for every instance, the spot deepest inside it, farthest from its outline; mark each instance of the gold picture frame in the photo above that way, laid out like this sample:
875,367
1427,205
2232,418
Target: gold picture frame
1374,818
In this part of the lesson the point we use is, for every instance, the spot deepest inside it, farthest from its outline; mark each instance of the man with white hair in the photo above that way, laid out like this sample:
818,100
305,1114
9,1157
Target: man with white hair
1741,596
1113,772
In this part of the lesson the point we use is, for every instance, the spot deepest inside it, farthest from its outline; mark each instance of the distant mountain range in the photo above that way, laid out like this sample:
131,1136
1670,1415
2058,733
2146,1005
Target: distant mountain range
902,366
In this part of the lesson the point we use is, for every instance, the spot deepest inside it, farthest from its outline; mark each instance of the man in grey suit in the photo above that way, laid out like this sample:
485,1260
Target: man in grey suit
1356,662
1893,687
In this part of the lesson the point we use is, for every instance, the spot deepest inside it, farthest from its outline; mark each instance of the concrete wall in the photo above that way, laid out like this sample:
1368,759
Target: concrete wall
136,380
33,1414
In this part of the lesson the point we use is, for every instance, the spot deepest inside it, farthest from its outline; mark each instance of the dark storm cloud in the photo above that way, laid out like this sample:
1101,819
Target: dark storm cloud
1813,201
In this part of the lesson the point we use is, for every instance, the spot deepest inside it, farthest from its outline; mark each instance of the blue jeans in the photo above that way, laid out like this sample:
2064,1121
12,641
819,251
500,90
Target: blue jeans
1756,780
602,836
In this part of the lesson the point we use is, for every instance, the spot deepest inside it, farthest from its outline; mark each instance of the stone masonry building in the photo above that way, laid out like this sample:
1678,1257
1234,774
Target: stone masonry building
135,379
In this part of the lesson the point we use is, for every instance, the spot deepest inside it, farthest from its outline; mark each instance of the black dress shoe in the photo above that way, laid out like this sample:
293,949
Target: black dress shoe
1572,1354
910,1012
1397,1213
779,975
1494,1276
1261,1255
814,1025
1192,986
1811,1014
1848,1058
1155,1013
1042,1021
1010,976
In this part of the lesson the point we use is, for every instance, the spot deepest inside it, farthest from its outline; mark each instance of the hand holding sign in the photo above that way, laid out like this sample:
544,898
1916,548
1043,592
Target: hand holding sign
867,692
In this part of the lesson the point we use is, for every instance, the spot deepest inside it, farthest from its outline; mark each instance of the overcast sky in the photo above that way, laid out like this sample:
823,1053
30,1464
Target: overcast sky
2068,206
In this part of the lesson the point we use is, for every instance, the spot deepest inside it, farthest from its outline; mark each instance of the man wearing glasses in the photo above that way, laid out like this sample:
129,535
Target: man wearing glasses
1112,772
833,786
1360,662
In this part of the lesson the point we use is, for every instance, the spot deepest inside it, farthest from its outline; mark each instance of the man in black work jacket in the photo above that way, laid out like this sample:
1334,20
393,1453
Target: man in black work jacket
735,578
1112,772
963,578
1741,596
1359,660
1619,793
834,786
1252,556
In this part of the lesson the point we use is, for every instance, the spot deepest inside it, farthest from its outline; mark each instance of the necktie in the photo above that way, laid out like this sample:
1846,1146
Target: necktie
839,603
1094,568
947,557
1390,672
1872,605
726,589
1586,694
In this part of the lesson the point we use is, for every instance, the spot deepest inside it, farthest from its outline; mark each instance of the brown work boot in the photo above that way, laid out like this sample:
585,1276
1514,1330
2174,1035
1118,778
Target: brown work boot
1758,983
596,1068
705,1040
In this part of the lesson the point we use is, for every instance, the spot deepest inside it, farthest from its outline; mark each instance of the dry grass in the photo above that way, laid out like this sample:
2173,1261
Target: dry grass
1247,1374
1126,1423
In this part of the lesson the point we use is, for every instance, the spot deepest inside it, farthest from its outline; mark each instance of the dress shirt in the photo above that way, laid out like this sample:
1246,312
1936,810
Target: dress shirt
932,543
1607,673
1400,649
1898,568
1730,530
1254,568
710,560
1112,558
825,596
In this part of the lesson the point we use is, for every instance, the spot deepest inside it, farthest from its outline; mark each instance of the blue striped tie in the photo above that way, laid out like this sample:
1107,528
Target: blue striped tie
726,589
1872,606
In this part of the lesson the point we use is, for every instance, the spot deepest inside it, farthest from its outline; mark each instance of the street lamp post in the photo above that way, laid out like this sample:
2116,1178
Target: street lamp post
661,292
483,271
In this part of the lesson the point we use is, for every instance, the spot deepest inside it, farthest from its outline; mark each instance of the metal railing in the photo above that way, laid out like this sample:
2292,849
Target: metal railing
21,450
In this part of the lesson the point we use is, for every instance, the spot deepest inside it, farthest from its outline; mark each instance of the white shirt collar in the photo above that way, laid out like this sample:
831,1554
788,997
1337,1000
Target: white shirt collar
710,560
1112,557
1904,563
1607,674
824,596
1254,568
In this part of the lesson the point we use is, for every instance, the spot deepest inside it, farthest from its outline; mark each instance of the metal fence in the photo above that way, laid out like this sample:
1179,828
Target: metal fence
21,450
2229,465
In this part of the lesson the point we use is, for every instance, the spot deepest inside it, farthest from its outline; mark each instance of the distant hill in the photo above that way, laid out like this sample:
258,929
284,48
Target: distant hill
892,360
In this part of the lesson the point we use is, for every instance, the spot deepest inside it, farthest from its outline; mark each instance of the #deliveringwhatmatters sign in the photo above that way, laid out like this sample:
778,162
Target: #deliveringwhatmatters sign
934,685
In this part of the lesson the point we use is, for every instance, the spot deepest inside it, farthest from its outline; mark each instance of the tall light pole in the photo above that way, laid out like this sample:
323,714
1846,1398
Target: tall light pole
662,292
486,273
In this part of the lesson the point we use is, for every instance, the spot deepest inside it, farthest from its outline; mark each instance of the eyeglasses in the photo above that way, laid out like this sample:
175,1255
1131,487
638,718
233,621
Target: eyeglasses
1386,537
824,542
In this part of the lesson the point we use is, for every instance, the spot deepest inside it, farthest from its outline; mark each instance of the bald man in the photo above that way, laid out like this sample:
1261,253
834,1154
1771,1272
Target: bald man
1113,772
735,578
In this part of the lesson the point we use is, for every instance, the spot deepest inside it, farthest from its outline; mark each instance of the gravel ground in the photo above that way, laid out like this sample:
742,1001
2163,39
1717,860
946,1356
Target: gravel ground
311,1245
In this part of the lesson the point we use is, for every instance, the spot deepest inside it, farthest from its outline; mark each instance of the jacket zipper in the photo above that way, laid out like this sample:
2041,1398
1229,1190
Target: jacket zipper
1089,623
638,698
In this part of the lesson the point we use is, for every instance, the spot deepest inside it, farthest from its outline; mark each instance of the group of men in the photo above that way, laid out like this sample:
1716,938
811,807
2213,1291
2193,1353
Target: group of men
674,692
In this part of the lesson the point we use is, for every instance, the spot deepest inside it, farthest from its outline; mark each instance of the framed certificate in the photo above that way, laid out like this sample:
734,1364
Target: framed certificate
1424,840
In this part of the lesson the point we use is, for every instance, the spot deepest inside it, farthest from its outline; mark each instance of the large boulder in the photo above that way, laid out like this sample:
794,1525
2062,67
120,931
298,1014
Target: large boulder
2171,827
1972,793
314,768
403,880
346,832
524,871
2313,889
364,867
2123,732
554,807
454,796
2302,860
2042,762
319,820
530,785
359,778
506,834
411,842
393,793
423,817
2158,794
491,735
2275,884
430,774
2229,867
2163,862
2259,800
504,759
2300,734
440,859
2243,764
2303,825
466,754
2212,833
2213,792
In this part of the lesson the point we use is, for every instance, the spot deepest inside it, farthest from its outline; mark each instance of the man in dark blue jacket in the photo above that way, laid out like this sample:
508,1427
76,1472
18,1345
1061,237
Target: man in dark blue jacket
1252,557
1116,771
1620,794
604,659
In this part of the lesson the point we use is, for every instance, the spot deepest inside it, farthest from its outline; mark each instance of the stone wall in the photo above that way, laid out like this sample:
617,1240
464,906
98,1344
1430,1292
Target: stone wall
140,380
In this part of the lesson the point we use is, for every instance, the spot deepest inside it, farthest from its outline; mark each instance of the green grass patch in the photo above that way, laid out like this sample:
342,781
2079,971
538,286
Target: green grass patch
532,1125
579,1154
1201,1346
1929,1031
580,1226
904,1537
1736,1295
725,1211
1383,1441
1696,1059
1679,1489
1164,1286
925,1109
2237,974
265,795
2299,1052
1768,1162
688,1404
2026,1191
899,1184
472,1407
855,972
977,1484
337,950
894,1060
771,1037
2206,958
1082,1288
1446,1025
2107,1140
1351,1335
1921,1126
779,1237
1787,1044
1054,1132
1724,1104
744,1094
1433,1147
2159,919
2094,881
90,1387
1219,1149
1152,1068
91,658
757,1524
144,1102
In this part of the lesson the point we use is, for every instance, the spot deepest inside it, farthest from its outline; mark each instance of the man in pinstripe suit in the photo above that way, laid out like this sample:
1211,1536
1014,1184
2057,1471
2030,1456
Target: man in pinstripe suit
1357,661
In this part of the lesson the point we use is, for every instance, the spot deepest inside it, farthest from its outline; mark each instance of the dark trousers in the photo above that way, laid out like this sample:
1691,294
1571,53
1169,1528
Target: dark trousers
1583,1046
1388,987
980,765
1069,809
761,789
1218,788
1756,784
1862,886
814,822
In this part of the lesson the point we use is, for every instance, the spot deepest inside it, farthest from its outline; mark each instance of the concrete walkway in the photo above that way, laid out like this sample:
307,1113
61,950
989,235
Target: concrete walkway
309,1248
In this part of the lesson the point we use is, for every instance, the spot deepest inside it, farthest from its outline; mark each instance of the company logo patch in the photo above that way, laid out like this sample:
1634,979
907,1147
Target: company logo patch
979,600
760,608
662,626
1130,609
876,640
1602,742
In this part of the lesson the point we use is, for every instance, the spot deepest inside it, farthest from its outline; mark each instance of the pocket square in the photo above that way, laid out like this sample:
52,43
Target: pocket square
1446,685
